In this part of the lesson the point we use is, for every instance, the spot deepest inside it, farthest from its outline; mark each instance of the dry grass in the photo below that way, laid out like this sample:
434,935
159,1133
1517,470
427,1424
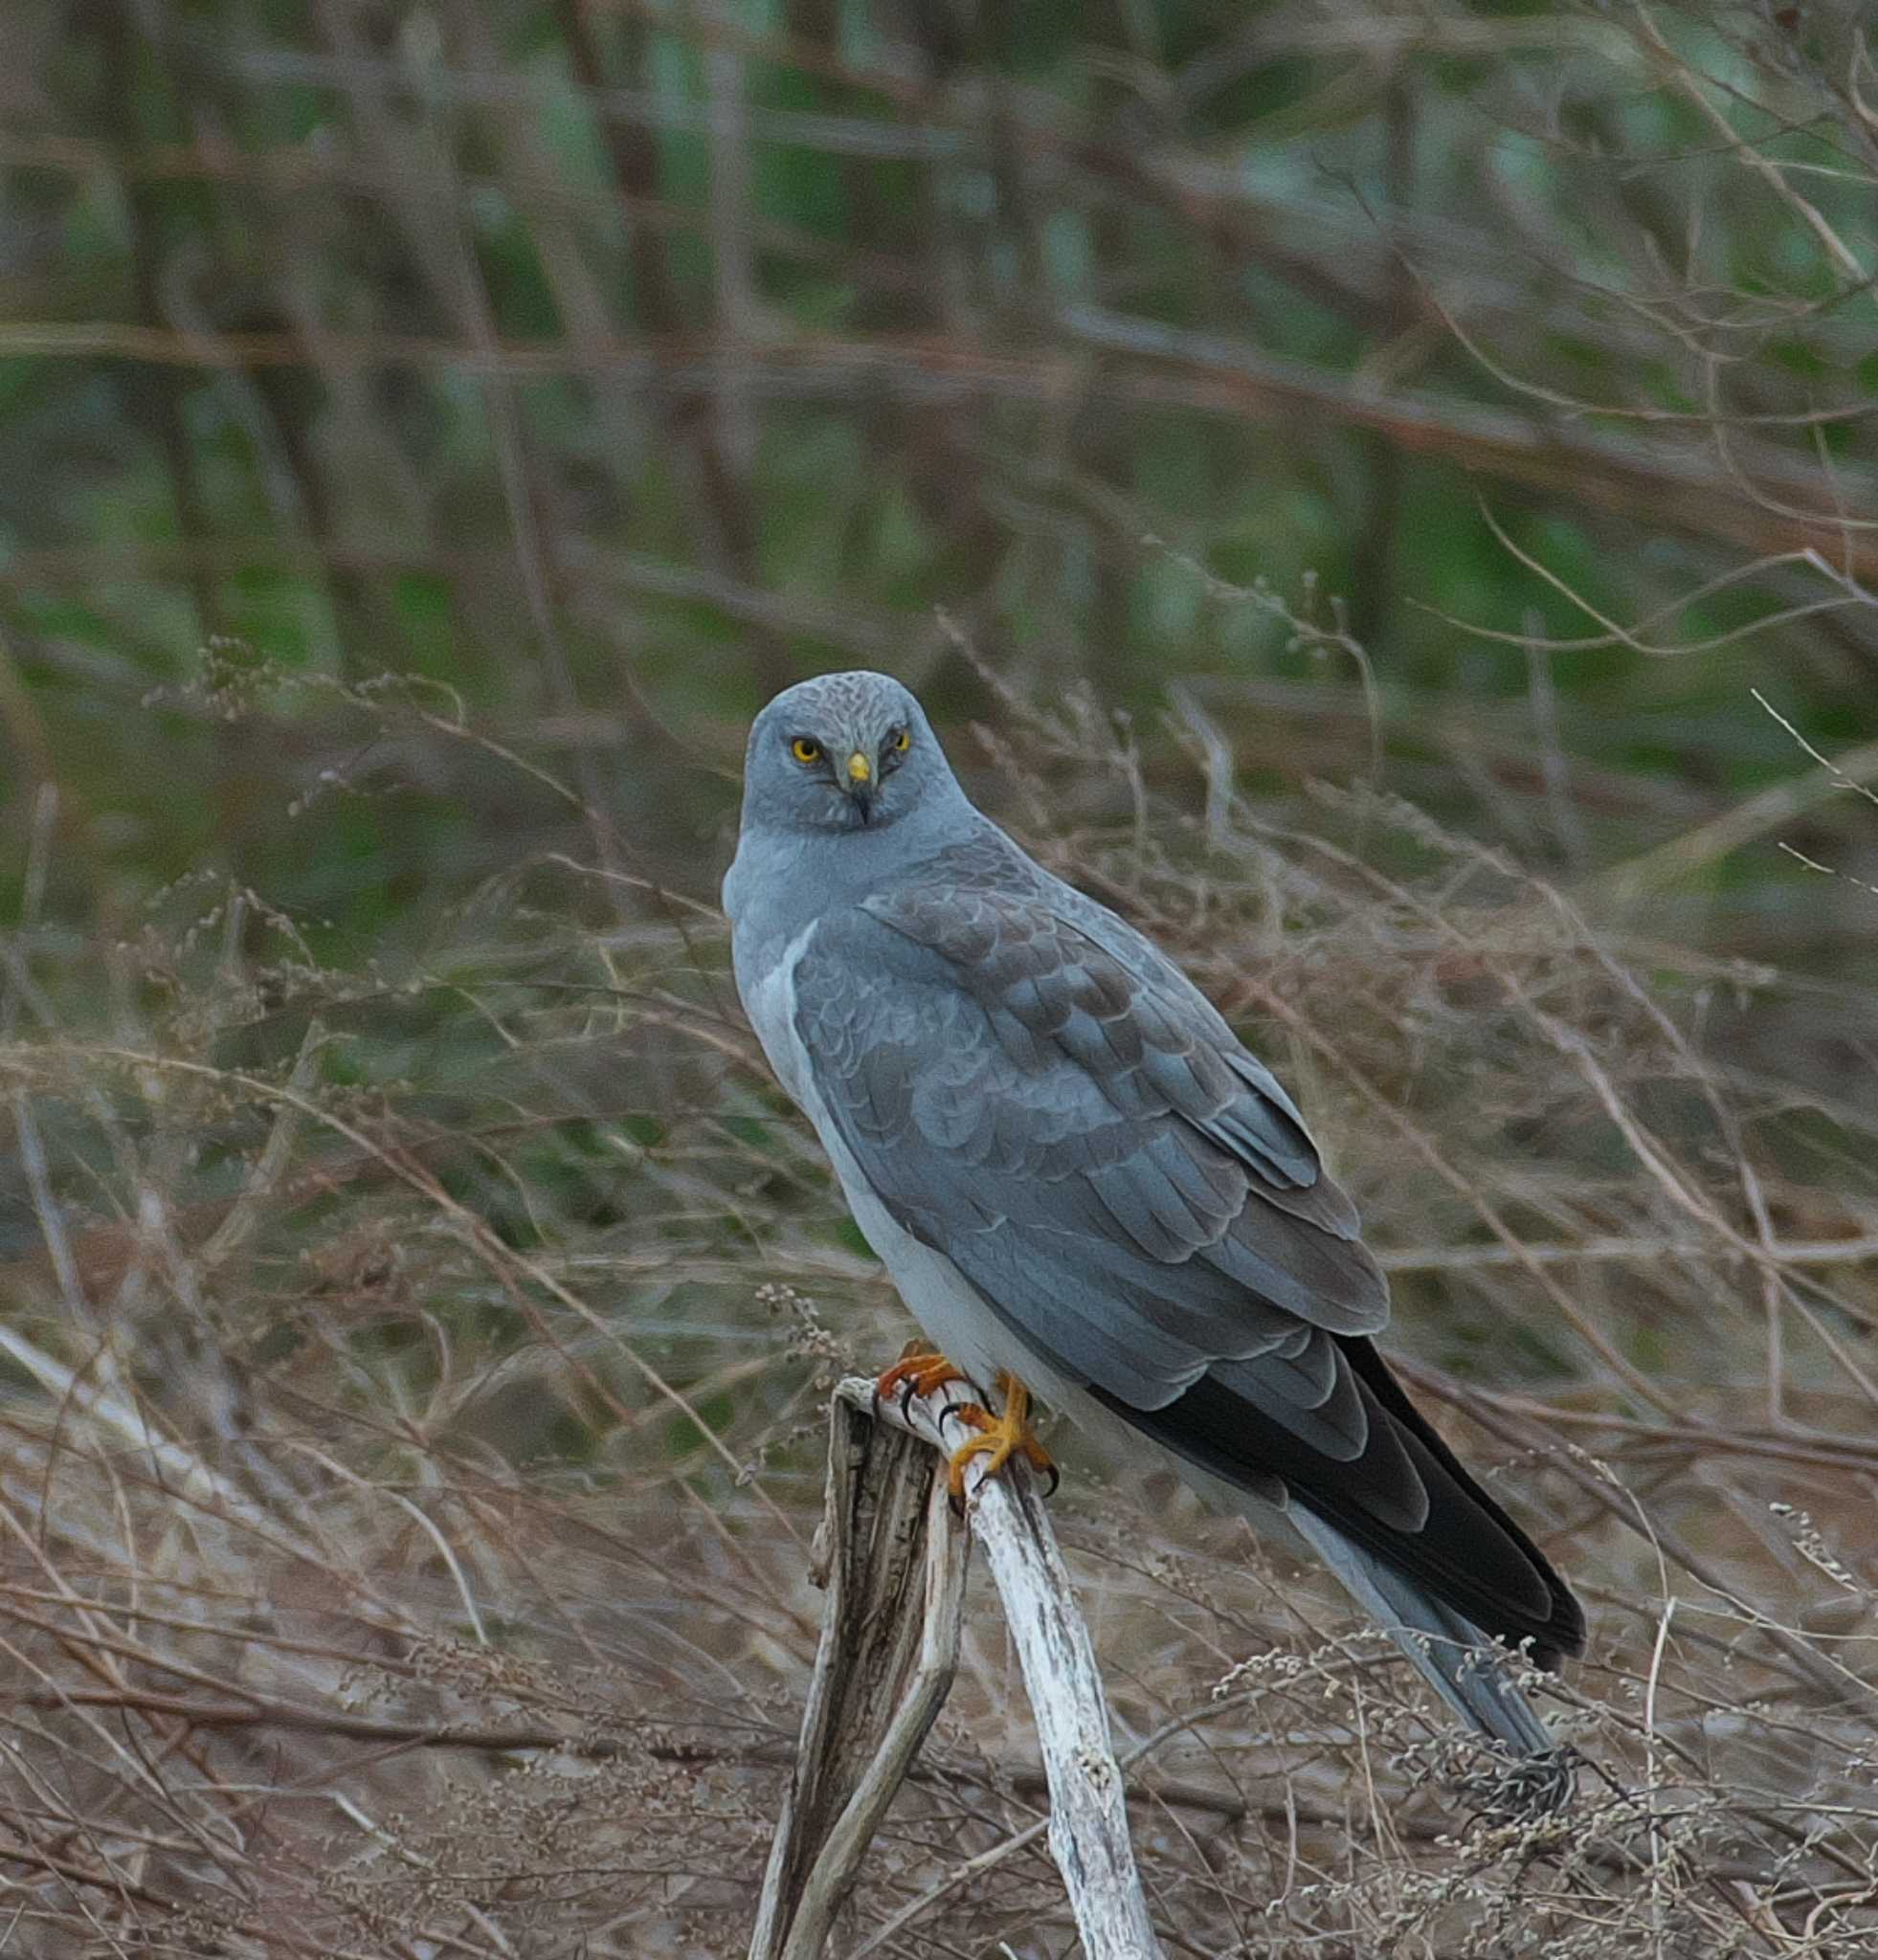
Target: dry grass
412,1414
419,1304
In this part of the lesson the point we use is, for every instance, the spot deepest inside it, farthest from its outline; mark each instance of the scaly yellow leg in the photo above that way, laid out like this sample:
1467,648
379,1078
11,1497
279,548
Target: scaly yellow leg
919,1370
999,1438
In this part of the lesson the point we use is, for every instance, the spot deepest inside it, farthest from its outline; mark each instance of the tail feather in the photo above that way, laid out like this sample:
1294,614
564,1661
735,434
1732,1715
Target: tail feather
1460,1662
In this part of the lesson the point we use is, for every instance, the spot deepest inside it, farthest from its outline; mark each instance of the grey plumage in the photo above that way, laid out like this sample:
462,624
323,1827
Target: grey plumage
1074,1171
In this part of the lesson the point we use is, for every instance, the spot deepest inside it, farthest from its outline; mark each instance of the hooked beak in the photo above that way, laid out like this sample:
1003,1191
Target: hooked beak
861,784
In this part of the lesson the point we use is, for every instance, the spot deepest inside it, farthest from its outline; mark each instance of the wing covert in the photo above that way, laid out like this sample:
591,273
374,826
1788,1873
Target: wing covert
1140,1204
1097,1155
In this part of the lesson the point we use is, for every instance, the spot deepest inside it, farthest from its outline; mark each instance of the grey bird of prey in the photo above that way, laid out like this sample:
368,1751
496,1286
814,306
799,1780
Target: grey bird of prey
1084,1187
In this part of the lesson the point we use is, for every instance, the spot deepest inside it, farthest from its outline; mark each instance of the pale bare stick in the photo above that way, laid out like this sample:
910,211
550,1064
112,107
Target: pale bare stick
895,1554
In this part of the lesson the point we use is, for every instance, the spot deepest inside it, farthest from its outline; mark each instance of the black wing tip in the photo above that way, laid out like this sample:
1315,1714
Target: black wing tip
1549,1640
1566,1627
1500,1581
1559,1635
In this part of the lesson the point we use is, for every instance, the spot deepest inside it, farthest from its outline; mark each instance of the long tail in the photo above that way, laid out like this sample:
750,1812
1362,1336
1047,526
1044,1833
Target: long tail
1387,1505
1459,1662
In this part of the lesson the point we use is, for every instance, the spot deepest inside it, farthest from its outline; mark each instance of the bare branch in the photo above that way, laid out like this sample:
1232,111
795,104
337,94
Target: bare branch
889,1642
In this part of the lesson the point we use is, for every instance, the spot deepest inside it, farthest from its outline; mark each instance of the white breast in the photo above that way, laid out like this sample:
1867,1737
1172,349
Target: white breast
945,1302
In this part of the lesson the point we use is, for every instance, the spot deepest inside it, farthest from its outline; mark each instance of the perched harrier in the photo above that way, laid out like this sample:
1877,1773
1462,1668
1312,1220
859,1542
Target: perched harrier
1086,1188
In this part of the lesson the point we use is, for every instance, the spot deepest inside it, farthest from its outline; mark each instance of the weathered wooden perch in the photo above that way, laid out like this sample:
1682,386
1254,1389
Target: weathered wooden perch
896,1559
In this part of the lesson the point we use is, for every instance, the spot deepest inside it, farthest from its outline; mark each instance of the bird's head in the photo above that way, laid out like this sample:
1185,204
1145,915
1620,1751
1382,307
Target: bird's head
841,752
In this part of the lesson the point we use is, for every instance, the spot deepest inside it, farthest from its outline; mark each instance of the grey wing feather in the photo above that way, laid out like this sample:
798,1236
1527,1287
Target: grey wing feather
1119,1179
1061,1113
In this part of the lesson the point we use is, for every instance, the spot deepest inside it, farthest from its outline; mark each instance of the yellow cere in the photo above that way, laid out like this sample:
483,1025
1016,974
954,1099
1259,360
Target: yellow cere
860,769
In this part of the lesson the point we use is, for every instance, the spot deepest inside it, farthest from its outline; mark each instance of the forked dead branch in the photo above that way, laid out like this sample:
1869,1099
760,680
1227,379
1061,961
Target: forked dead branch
895,1552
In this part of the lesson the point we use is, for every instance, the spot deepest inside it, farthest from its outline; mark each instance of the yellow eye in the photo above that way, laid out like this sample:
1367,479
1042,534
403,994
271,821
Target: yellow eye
805,750
900,741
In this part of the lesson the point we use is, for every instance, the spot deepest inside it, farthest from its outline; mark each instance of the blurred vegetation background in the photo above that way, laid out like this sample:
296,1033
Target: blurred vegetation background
1385,495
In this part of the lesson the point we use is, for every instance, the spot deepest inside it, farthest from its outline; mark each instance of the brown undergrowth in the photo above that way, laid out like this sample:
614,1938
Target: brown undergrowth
412,1414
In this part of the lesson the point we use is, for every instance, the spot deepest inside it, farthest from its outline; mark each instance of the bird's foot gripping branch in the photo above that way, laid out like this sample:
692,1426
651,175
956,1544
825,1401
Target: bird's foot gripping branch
999,1438
895,1552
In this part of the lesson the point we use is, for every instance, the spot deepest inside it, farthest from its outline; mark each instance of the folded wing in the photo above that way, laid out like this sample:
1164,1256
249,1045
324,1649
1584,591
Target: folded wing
1139,1201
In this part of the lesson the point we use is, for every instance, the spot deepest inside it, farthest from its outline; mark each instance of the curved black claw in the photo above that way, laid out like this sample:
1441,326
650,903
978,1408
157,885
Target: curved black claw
907,1399
1056,1481
953,1408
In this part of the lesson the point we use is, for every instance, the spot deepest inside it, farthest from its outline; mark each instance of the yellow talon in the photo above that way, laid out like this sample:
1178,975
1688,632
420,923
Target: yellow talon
917,1372
1001,1437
